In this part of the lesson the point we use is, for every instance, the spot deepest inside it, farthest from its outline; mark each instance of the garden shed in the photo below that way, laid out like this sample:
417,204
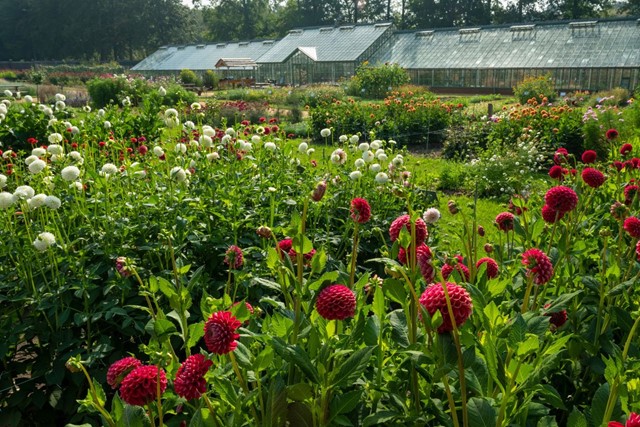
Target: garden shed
322,54
579,55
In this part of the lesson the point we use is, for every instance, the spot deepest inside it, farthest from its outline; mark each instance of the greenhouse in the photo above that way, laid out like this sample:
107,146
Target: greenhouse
581,55
585,55
323,54
229,59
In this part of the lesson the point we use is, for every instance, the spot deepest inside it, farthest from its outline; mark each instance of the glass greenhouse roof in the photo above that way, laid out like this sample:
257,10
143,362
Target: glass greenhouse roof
201,56
581,44
326,44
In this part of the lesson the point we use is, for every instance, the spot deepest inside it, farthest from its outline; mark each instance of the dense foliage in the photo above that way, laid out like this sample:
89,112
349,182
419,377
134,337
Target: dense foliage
156,269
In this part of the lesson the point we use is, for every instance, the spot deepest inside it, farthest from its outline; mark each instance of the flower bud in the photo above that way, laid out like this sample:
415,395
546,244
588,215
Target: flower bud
488,248
480,231
318,192
264,232
453,207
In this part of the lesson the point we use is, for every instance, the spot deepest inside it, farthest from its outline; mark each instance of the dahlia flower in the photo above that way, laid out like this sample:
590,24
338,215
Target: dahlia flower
220,332
190,382
433,299
360,210
492,267
120,369
538,266
336,302
140,386
405,221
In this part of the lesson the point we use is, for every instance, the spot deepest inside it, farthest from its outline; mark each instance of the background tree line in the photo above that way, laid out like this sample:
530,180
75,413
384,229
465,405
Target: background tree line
105,30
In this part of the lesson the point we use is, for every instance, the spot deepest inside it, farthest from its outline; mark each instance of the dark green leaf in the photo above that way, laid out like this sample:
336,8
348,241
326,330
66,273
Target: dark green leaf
380,418
345,403
576,419
372,330
351,369
399,332
481,413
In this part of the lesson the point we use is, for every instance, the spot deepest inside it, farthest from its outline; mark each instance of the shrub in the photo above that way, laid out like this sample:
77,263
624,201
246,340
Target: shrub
105,91
189,77
210,79
8,75
537,88
376,81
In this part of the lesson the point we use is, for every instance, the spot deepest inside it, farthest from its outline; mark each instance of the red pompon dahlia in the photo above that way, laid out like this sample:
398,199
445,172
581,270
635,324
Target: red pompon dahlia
189,382
612,134
233,257
589,156
220,332
360,210
632,226
593,177
455,264
561,156
405,221
120,369
426,267
557,318
492,267
551,215
285,245
618,165
561,198
632,421
538,266
140,387
433,299
336,302
422,249
557,172
626,149
630,193
504,221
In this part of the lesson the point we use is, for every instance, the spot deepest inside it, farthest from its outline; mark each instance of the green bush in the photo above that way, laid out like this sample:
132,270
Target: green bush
189,77
376,81
8,75
210,79
105,91
537,88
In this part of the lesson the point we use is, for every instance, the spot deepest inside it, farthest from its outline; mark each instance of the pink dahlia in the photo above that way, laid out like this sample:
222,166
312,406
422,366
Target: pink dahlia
405,221
589,156
538,266
336,302
492,267
504,221
455,264
233,257
632,226
433,299
360,210
561,198
593,177
424,262
626,149
189,382
551,215
638,250
220,332
119,369
140,387
402,253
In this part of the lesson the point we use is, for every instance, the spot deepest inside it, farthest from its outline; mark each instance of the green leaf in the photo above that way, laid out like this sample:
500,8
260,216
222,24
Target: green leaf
529,345
380,418
372,330
562,302
101,396
300,392
263,360
268,284
326,279
576,419
307,245
481,413
599,404
318,261
399,332
196,331
296,355
557,345
378,303
497,287
345,403
133,416
395,290
273,258
161,328
517,331
551,396
202,418
351,369
299,415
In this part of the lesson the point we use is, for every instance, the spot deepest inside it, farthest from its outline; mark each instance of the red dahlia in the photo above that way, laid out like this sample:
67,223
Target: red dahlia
561,198
632,421
233,257
405,221
285,245
422,248
589,156
492,267
630,193
360,210
190,382
632,226
626,149
426,267
504,221
463,270
561,156
557,172
551,215
220,332
638,250
433,299
557,318
593,177
538,266
618,165
140,387
336,302
118,370
612,134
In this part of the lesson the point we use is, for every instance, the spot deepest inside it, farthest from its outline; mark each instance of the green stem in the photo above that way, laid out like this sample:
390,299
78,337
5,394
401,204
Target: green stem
507,395
96,401
354,257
